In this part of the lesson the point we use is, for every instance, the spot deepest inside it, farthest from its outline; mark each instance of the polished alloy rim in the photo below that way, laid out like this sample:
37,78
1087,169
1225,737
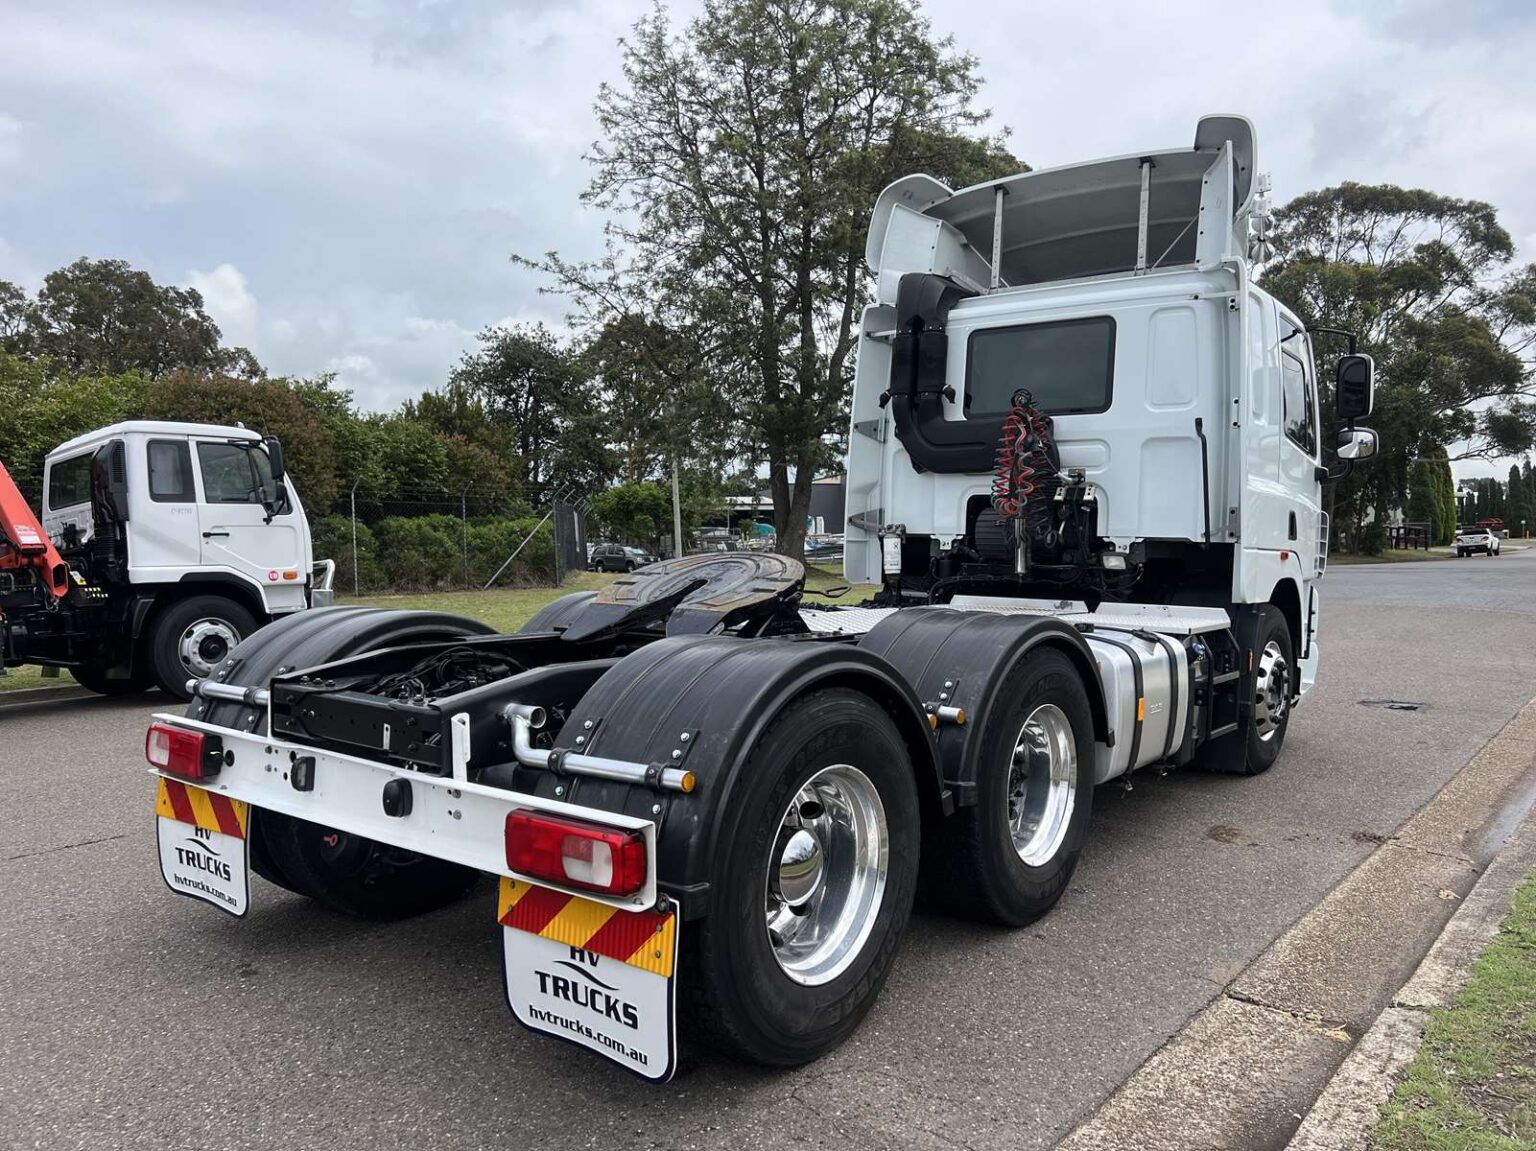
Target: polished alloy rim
204,645
1042,785
1272,691
826,874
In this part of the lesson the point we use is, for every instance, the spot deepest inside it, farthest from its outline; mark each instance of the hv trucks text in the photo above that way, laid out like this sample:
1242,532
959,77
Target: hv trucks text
1085,472
161,546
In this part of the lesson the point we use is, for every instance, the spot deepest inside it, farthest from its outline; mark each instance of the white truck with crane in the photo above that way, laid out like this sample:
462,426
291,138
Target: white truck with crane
160,547
1085,471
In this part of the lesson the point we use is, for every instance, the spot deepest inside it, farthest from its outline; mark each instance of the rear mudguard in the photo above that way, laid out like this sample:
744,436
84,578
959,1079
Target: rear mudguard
962,659
708,699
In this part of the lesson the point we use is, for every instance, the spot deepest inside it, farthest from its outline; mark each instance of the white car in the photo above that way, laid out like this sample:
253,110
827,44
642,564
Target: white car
1469,540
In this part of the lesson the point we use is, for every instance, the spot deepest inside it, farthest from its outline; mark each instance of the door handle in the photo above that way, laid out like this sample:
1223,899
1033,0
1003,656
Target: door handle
210,535
1293,525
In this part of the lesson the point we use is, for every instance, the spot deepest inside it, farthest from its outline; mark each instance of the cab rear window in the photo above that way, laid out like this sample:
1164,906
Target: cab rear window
1068,366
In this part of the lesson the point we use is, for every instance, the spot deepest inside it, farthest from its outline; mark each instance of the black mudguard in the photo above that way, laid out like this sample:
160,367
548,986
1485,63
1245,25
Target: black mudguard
308,639
720,693
974,653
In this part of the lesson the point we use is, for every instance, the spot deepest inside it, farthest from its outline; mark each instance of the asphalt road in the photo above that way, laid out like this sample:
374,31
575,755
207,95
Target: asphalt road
130,1017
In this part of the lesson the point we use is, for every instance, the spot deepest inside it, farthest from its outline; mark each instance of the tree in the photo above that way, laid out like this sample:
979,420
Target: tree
105,317
39,411
1425,280
740,160
637,512
526,383
268,406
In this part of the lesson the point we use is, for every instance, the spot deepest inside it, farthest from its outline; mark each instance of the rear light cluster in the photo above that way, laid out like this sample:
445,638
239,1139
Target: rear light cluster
574,853
177,751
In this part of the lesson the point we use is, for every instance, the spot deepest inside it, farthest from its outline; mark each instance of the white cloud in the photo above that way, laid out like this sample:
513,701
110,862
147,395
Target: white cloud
228,300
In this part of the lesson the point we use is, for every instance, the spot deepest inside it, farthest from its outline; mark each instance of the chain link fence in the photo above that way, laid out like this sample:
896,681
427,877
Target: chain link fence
468,539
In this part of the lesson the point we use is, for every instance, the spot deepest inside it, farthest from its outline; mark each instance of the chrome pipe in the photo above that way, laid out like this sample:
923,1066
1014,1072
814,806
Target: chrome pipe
211,689
525,719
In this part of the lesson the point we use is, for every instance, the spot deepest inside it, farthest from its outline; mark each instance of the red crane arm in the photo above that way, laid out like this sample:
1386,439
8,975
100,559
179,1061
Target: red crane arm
24,543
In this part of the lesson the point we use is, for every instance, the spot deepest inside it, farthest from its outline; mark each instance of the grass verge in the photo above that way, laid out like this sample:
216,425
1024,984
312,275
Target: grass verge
1394,556
1472,1086
28,676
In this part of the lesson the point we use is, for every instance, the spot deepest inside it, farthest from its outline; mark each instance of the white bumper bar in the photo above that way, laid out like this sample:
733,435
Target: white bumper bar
450,819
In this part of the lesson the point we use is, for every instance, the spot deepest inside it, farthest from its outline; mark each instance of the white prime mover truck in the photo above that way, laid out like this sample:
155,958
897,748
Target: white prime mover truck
166,544
1085,470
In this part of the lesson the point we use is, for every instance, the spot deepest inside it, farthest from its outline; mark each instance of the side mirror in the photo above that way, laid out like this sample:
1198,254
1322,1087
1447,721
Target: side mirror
275,456
1355,387
1357,443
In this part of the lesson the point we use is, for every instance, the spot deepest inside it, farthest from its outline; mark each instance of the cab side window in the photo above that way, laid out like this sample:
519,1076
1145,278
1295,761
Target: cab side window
69,482
170,472
1298,412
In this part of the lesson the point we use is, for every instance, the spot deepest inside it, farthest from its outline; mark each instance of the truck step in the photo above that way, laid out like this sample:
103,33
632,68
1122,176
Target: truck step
1224,729
1224,677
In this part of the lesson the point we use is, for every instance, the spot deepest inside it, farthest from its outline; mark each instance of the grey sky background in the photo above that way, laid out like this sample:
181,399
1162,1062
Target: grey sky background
344,182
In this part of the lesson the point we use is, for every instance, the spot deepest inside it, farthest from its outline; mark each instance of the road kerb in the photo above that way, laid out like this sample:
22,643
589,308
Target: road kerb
1218,1083
1348,1107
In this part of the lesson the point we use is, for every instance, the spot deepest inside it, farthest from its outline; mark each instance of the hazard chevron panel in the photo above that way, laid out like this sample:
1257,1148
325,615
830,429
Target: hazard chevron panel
206,809
641,939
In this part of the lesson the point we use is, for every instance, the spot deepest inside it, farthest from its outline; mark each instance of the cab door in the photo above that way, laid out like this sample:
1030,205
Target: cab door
1299,445
237,530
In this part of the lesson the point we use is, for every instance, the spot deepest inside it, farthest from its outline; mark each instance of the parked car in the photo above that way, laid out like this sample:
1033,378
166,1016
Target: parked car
1469,540
617,558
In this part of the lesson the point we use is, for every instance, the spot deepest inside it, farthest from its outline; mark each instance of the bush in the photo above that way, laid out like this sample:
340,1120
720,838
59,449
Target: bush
1373,538
422,552
492,541
333,541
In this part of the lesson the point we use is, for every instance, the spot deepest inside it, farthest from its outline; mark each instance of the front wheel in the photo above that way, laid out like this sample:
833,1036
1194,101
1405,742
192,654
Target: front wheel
1008,859
193,637
815,874
1274,685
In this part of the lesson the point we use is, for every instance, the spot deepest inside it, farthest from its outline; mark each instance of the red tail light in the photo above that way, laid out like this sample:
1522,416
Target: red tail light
181,752
574,853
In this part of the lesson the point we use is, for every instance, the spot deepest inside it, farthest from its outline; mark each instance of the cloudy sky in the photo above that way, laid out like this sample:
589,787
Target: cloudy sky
344,182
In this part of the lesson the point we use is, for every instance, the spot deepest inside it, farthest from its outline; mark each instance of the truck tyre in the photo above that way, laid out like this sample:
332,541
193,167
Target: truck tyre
1255,746
193,636
359,877
813,883
1008,858
95,679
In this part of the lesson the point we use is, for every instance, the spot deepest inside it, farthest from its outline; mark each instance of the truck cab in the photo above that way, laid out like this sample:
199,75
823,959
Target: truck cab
1181,398
181,538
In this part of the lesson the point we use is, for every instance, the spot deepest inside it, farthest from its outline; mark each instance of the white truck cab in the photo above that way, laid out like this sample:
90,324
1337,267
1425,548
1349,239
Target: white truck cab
188,536
1182,399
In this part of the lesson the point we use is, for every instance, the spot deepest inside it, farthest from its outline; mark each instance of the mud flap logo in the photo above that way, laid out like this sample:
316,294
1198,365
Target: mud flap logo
204,864
603,1004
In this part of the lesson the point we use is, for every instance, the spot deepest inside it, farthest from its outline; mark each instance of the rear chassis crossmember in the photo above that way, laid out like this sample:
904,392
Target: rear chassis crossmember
450,819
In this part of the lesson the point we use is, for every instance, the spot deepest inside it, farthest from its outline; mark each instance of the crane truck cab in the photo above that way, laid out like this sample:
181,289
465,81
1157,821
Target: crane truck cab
181,539
1084,473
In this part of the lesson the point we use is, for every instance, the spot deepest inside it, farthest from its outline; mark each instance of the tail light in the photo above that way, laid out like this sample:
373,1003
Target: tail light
574,853
177,751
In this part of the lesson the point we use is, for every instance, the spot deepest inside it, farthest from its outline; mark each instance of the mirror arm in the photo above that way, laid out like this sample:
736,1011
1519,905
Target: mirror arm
1354,339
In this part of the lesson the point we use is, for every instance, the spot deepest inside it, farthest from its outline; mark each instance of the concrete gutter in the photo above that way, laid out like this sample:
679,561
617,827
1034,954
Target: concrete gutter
23,696
1245,1071
1345,1112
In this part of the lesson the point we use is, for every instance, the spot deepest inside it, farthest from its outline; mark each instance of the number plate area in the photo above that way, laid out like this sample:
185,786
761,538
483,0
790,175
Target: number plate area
203,848
595,975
